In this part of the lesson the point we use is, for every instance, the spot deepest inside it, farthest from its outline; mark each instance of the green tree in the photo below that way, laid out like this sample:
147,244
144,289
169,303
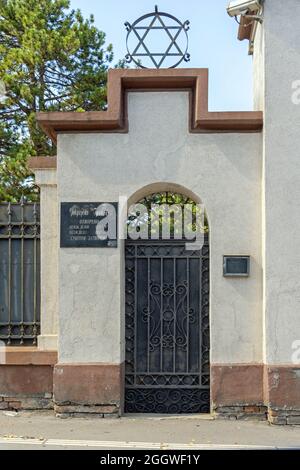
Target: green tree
6,139
51,59
16,180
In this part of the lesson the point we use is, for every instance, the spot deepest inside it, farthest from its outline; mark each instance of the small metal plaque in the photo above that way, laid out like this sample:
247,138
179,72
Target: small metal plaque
236,266
88,224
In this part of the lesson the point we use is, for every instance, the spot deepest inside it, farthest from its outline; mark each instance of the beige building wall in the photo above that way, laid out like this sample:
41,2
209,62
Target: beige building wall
222,170
47,181
276,68
277,73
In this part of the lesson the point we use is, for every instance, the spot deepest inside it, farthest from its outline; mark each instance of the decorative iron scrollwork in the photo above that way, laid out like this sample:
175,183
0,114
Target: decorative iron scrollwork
166,401
175,296
166,324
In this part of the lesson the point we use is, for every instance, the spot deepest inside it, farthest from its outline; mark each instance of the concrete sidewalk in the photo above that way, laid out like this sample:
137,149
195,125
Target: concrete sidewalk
36,430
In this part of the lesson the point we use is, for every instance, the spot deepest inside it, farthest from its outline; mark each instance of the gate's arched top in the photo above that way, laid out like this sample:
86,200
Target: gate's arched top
166,210
161,187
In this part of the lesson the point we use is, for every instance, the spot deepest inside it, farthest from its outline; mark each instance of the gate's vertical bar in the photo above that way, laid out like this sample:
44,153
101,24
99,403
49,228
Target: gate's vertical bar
188,314
200,317
22,273
135,315
35,274
175,316
161,313
9,272
148,311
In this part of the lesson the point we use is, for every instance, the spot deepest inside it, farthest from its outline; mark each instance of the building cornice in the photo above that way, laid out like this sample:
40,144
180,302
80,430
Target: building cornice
122,80
42,163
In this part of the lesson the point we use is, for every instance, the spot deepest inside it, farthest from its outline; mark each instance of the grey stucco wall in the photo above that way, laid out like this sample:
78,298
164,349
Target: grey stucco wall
47,181
277,66
223,170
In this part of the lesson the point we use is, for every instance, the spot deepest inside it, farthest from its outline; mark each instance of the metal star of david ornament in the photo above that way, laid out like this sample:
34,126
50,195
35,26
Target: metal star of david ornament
157,30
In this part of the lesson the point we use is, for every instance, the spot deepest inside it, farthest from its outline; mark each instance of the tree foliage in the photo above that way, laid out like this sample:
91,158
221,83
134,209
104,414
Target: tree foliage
51,59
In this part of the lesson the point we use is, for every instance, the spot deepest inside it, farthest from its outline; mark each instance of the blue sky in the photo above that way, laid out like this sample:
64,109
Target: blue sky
212,42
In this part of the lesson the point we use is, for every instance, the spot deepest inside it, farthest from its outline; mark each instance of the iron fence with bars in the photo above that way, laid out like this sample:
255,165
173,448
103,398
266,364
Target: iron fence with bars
19,273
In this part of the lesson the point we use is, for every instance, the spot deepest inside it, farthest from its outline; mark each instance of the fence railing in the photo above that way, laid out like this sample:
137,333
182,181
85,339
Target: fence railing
19,273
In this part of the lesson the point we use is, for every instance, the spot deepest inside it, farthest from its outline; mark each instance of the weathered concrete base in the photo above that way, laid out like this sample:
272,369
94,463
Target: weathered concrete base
255,391
86,415
284,416
237,386
282,394
82,411
88,389
26,387
247,413
26,379
16,403
30,381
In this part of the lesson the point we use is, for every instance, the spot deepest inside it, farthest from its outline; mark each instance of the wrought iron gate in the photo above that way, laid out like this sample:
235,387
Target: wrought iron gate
167,327
19,273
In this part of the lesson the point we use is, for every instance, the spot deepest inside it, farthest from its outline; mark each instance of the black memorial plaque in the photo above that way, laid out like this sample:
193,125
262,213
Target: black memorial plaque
88,224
